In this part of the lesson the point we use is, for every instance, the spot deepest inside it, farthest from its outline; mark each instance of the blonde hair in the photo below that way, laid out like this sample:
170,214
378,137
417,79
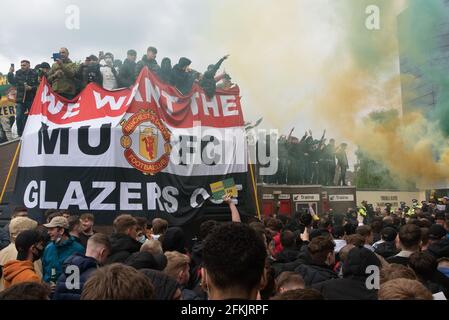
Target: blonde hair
19,224
176,262
404,289
396,271
117,282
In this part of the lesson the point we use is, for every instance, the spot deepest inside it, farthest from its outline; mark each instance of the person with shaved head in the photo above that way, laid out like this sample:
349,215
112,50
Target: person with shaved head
62,75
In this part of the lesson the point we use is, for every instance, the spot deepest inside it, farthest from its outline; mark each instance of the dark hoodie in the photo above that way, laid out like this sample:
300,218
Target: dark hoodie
303,258
145,260
127,73
197,253
174,240
287,255
166,70
122,246
86,265
208,81
164,286
151,64
353,284
196,264
182,80
314,273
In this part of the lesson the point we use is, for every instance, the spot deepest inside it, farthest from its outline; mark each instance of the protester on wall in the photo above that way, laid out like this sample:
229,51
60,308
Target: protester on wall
209,81
26,81
62,76
127,71
148,60
109,73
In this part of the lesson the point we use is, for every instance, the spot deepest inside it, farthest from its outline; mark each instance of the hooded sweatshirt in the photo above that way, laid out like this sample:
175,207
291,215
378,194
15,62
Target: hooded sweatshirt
122,246
353,284
16,271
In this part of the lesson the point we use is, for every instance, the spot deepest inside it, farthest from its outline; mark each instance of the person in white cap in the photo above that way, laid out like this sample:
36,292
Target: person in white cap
62,246
17,225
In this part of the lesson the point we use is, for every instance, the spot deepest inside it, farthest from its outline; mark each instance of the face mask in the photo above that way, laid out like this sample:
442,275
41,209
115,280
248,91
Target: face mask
141,239
58,239
155,236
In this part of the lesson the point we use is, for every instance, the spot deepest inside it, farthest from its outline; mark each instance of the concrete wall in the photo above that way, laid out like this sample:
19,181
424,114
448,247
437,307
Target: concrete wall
339,199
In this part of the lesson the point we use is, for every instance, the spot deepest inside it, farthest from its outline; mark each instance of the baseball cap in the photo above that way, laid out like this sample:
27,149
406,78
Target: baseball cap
60,222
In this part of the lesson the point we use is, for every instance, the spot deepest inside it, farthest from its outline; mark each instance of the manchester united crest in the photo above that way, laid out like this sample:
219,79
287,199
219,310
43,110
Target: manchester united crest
151,153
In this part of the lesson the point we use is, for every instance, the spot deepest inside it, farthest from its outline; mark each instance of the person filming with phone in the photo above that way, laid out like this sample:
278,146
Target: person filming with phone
62,75
25,81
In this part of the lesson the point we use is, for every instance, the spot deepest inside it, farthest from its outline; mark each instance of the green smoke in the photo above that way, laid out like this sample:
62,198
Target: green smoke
424,44
371,49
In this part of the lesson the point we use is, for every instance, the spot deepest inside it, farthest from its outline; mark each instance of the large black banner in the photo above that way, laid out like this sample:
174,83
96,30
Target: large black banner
144,150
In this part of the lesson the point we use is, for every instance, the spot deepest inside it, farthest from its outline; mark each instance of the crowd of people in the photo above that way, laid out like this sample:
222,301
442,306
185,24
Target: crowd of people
308,161
68,78
303,257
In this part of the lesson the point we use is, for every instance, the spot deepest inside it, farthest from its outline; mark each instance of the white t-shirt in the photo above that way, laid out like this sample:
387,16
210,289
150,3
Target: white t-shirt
339,244
109,80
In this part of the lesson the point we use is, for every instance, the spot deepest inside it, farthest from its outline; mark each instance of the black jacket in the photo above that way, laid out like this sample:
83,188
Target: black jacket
287,255
182,80
174,240
165,72
208,81
353,285
400,260
303,258
30,78
164,286
313,273
89,73
86,265
350,288
127,73
122,246
387,249
143,260
83,238
197,253
439,249
151,64
196,264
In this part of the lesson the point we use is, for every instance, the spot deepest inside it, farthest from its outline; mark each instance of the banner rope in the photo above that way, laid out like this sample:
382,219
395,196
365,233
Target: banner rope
10,171
255,190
